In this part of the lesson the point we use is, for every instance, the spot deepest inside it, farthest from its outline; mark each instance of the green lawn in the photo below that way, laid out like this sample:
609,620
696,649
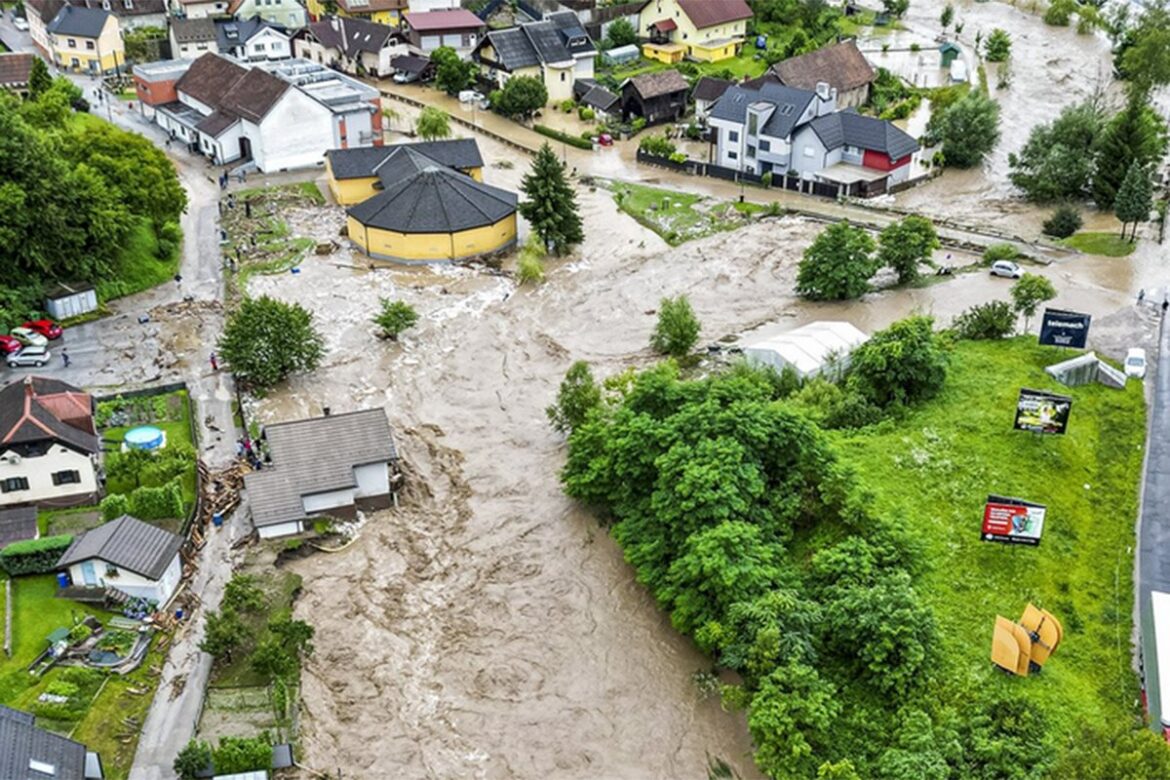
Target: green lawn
679,216
113,724
933,470
1108,244
280,590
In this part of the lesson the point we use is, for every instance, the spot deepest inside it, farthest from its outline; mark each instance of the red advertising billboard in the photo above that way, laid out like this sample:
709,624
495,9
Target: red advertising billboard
1012,521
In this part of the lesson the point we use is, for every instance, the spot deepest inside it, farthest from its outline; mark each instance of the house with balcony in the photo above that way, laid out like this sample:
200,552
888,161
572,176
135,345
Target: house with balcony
378,11
702,30
556,51
353,46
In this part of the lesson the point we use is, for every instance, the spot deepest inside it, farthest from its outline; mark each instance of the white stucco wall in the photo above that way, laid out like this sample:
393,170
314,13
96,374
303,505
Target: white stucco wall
39,472
372,480
267,44
281,529
296,133
204,10
128,582
322,502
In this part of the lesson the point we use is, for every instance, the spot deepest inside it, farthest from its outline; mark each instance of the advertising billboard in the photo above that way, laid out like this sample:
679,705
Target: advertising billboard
1064,328
1039,411
1012,521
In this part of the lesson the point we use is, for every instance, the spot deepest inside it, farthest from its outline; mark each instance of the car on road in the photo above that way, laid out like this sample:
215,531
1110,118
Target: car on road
1006,268
1135,363
20,23
29,356
30,337
9,344
47,328
405,78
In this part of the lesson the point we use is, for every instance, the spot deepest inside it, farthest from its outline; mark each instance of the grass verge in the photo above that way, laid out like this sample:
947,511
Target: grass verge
679,216
935,467
1107,244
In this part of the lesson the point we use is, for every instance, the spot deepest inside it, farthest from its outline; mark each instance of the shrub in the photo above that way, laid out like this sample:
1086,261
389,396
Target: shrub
395,317
1060,12
902,364
193,760
114,506
529,269
157,503
658,145
586,114
578,396
678,157
1063,223
997,252
639,124
571,140
568,105
78,634
34,556
993,320
239,754
677,328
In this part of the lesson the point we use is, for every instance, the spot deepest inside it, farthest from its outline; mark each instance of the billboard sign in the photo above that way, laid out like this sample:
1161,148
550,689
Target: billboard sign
1064,328
1039,411
1012,521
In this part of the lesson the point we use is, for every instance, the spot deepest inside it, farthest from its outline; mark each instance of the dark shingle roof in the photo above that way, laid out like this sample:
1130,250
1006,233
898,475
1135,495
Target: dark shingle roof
708,13
128,543
710,89
15,69
118,7
193,30
82,22
546,42
599,98
848,128
230,34
45,10
841,65
316,455
577,41
253,96
209,78
408,63
790,104
363,162
353,36
513,49
435,200
21,742
651,85
215,123
36,409
17,524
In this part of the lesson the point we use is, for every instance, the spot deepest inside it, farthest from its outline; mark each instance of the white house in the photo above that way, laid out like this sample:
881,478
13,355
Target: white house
754,126
556,50
280,115
862,154
327,466
810,350
126,554
354,46
289,14
49,448
200,9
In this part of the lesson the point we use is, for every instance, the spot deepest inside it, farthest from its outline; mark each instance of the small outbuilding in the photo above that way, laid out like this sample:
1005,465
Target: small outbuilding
17,524
137,558
620,55
656,97
819,348
70,300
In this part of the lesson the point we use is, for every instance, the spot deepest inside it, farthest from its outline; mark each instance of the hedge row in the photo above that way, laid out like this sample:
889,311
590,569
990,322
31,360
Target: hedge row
146,503
571,140
34,556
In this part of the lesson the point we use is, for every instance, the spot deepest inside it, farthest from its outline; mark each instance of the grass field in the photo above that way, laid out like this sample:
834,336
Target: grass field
137,266
1108,244
932,472
679,216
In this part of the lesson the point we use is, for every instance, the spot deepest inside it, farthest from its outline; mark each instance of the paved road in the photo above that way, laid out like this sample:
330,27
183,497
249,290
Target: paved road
1153,559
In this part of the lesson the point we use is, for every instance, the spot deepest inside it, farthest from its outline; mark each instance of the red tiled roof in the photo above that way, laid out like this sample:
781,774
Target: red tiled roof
37,408
454,19
708,13
15,68
665,25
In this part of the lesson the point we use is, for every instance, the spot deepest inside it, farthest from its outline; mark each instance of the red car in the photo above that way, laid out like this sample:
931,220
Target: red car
10,344
46,328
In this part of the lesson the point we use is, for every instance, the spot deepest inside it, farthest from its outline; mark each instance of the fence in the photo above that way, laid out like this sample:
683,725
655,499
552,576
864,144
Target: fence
785,182
461,121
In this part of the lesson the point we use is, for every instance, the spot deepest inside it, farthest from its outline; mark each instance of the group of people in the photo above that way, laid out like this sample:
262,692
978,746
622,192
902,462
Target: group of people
250,451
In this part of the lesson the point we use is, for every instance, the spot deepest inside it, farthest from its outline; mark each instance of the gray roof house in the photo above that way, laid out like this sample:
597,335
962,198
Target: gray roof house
327,466
708,90
592,95
31,753
136,558
557,50
81,22
355,46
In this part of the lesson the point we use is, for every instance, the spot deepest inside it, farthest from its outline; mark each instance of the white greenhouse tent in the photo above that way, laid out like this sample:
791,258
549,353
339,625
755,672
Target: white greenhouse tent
809,349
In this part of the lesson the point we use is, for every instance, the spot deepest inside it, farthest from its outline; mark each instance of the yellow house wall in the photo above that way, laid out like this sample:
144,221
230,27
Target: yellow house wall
347,192
713,54
109,44
315,8
669,56
432,246
687,33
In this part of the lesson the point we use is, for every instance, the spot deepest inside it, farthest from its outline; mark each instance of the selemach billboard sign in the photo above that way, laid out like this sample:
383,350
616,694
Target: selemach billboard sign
1064,328
1040,411
1012,521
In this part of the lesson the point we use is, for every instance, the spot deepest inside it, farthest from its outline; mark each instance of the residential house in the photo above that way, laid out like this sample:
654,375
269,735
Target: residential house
252,40
38,14
704,30
289,14
15,68
458,28
591,95
201,9
842,66
425,6
128,555
154,82
863,155
555,51
18,524
377,11
278,115
30,752
86,40
327,466
191,38
353,46
708,90
753,127
49,448
354,174
132,14
656,97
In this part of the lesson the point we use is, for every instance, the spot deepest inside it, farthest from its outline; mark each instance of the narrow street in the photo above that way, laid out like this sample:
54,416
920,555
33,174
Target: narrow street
1153,564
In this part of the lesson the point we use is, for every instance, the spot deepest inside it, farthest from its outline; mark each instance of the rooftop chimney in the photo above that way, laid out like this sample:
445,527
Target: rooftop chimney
823,90
325,410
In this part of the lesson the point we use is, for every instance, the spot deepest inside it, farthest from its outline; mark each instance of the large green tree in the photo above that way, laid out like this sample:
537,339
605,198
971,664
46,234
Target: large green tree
1135,198
791,719
39,79
578,396
1145,56
903,364
998,46
907,244
521,96
677,328
551,204
452,73
1059,159
1120,752
223,634
837,265
1028,293
265,340
433,124
619,33
968,129
1136,134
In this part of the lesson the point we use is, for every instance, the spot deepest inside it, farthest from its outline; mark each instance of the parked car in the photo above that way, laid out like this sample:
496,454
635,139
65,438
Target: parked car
47,328
20,23
29,356
1006,268
9,344
1135,363
471,96
30,337
405,78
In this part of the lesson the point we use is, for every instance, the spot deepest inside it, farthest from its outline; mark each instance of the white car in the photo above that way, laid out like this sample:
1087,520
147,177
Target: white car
20,23
30,337
29,356
1006,268
1135,363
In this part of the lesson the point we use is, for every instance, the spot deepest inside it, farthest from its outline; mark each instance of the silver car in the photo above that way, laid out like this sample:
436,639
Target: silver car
29,356
1006,268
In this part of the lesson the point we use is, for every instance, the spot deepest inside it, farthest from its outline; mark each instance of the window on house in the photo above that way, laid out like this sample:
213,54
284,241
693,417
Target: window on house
733,135
751,152
562,76
765,146
71,477
259,47
112,570
809,152
13,484
72,43
753,124
89,45
732,156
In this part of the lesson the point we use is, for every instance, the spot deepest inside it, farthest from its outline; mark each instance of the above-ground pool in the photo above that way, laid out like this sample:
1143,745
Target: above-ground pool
145,437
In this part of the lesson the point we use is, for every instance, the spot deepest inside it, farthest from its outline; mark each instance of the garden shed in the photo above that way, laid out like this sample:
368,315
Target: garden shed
620,55
809,349
65,300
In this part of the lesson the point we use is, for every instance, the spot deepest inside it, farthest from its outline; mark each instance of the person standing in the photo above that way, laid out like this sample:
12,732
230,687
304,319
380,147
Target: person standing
65,358
214,362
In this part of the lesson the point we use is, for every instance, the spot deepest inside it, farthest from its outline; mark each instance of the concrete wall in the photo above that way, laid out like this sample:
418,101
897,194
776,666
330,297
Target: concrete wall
319,503
268,44
39,472
204,10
